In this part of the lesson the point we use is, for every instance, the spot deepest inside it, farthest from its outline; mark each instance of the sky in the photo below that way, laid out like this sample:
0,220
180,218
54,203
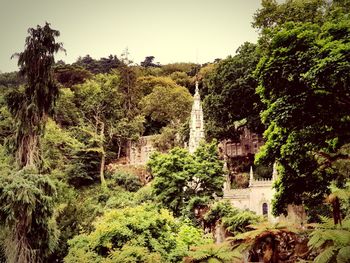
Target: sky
170,30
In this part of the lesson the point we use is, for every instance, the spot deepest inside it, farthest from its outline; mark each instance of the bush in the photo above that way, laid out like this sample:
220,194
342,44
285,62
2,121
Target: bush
142,232
331,241
128,181
234,220
26,212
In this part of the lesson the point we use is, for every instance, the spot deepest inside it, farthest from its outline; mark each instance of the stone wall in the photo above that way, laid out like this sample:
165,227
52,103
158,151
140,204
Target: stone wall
138,152
249,143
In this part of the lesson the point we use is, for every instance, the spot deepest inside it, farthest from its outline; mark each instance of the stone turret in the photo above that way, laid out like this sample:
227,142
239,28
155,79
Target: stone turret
196,123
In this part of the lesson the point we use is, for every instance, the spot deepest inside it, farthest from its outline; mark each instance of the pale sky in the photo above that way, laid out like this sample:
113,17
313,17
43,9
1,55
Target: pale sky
170,30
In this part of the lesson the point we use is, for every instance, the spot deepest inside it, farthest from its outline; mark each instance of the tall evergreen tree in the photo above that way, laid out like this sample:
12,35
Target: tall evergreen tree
26,196
32,107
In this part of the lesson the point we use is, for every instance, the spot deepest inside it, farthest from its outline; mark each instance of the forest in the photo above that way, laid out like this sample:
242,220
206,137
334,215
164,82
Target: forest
68,194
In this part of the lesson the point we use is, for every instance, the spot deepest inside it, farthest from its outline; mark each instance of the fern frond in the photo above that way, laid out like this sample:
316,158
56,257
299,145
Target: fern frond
316,240
340,237
213,260
346,224
343,255
327,223
94,149
325,256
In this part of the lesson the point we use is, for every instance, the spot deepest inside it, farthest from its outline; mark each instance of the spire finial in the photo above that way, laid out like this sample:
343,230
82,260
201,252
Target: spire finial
251,176
197,90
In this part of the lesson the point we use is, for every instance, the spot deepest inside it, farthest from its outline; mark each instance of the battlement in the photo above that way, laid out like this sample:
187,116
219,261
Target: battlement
261,182
237,193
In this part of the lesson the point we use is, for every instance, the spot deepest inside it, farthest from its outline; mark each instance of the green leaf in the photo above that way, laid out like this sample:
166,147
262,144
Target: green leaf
344,255
325,256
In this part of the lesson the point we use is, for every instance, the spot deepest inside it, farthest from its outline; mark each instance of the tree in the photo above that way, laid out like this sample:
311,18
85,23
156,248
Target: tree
25,214
146,84
10,80
100,102
148,62
66,113
58,148
26,195
167,105
231,95
181,79
305,87
69,75
273,14
180,176
105,119
168,69
132,95
331,240
103,65
40,92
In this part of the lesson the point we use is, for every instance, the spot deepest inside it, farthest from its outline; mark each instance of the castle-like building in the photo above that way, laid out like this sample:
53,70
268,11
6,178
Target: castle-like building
257,197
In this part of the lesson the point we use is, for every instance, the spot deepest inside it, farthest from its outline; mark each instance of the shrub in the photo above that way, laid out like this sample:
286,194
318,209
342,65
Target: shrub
26,211
134,232
129,181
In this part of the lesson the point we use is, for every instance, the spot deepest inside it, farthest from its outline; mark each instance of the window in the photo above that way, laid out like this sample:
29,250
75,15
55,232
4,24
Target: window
198,120
264,209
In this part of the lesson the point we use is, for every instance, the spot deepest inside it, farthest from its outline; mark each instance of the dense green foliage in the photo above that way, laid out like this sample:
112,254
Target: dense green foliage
25,216
142,233
334,240
234,220
180,176
304,85
67,195
231,95
213,253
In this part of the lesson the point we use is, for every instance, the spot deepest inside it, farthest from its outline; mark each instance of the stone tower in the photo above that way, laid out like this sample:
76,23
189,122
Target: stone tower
196,123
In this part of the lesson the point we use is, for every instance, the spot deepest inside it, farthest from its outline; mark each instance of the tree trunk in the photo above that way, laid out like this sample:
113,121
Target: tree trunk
336,211
103,155
119,148
28,150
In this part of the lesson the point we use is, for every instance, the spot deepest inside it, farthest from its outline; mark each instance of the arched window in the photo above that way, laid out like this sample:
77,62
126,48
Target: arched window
264,209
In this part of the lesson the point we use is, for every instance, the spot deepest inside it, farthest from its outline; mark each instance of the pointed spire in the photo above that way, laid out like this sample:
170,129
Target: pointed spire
197,122
251,176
